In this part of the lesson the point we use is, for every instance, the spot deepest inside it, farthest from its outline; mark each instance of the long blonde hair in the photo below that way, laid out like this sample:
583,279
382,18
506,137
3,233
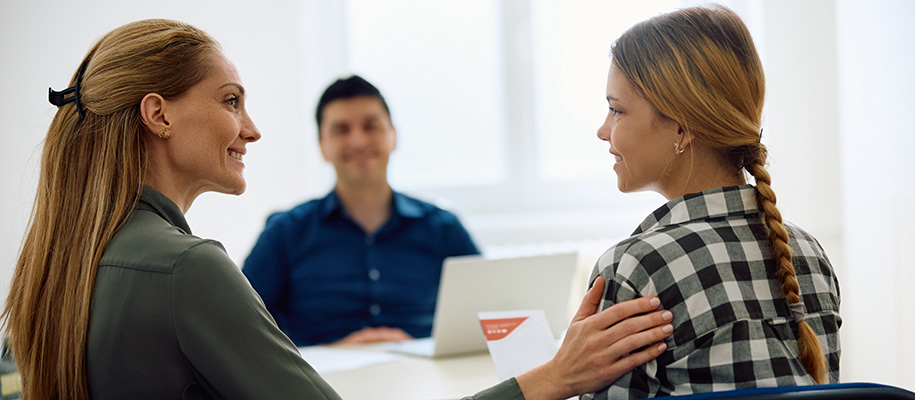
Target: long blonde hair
91,177
699,67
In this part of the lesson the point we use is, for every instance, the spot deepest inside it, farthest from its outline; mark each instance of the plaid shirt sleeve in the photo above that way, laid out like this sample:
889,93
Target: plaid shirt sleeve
632,282
707,258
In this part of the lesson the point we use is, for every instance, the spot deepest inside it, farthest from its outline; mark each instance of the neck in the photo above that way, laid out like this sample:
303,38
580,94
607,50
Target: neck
169,188
697,170
368,204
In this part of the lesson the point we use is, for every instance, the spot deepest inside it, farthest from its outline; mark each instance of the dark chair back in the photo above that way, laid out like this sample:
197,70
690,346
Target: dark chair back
835,391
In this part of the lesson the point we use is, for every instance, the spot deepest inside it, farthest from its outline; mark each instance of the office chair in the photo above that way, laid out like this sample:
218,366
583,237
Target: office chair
10,381
834,391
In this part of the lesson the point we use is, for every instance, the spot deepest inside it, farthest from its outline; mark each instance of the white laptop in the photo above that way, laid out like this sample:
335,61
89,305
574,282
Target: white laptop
471,284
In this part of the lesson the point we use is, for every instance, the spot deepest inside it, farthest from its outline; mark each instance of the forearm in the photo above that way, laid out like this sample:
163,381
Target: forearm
541,383
505,390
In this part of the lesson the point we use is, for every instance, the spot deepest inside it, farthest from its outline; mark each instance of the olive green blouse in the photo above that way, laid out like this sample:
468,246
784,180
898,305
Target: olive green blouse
173,317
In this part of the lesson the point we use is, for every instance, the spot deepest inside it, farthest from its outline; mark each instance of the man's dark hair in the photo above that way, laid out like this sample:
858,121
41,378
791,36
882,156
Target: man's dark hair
347,88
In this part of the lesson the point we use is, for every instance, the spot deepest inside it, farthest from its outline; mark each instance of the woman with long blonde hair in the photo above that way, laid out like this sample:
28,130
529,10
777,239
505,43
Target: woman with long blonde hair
153,117
114,298
755,298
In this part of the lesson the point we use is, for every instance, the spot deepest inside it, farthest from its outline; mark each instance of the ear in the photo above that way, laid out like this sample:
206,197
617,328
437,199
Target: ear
684,137
321,147
152,110
394,139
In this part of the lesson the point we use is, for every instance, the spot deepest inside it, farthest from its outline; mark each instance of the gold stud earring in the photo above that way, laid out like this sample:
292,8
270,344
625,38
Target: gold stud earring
165,134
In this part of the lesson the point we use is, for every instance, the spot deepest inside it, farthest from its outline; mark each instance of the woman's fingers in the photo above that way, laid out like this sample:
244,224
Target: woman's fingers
616,358
591,301
621,311
627,363
638,323
635,341
592,358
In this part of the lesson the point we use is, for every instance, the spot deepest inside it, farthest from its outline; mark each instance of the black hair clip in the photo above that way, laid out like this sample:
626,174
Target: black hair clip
60,98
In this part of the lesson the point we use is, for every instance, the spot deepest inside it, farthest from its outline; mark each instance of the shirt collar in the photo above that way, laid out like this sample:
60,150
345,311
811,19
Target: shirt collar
165,207
403,206
720,202
407,207
329,204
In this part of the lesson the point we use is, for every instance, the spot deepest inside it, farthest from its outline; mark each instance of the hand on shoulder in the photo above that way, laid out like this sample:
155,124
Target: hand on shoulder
597,349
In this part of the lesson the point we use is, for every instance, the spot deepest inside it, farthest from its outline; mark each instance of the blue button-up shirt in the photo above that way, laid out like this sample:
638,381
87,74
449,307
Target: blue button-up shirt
322,276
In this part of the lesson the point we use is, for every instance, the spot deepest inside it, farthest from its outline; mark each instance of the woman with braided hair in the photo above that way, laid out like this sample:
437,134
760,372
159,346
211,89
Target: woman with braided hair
755,298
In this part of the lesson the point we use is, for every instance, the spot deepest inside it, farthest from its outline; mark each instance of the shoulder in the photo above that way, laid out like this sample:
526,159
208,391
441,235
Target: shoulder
404,200
411,205
415,208
633,253
807,250
666,241
296,215
206,262
803,243
148,242
799,234
641,257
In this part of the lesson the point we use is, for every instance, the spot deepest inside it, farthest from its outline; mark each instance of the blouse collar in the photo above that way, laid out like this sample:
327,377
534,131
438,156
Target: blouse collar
167,209
721,202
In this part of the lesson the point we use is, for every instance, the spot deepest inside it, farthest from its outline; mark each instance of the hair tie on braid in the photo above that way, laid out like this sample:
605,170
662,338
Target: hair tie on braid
744,156
797,311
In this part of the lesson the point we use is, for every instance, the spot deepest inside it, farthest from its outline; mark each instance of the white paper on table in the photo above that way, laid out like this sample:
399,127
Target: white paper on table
329,359
517,340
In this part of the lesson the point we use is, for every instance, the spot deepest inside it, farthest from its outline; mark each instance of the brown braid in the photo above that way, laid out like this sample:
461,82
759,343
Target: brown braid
811,354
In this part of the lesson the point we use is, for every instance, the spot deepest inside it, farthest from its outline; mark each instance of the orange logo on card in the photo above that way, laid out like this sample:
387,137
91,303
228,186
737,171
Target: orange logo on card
496,329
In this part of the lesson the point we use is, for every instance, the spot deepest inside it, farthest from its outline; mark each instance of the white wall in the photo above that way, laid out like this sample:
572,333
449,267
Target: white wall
839,90
877,140
42,43
800,118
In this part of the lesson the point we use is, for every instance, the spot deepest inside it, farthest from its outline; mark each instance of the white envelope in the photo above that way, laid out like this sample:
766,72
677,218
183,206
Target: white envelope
518,340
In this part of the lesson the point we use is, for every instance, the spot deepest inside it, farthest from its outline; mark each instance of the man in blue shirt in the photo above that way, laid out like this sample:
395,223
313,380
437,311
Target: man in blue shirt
362,264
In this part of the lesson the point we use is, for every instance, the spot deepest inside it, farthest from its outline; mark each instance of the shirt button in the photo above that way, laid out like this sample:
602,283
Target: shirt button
374,274
375,309
370,239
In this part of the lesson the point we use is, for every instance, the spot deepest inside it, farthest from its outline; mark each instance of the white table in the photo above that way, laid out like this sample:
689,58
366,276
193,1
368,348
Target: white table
374,373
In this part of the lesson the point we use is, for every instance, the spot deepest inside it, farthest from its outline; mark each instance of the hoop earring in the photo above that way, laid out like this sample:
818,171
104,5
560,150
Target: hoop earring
677,148
165,134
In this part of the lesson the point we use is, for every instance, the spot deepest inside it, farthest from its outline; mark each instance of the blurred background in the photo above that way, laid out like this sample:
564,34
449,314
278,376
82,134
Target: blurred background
497,103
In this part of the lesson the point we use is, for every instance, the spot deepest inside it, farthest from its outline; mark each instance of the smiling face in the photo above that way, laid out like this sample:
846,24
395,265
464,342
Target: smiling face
641,140
209,130
357,137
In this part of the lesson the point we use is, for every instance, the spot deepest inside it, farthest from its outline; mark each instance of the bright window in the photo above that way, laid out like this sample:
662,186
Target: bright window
438,64
497,104
571,45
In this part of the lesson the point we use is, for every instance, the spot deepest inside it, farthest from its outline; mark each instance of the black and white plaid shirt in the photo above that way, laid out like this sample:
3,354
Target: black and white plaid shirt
707,257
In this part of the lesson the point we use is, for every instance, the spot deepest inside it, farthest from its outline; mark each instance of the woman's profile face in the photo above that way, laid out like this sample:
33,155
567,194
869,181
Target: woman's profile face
210,128
641,140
